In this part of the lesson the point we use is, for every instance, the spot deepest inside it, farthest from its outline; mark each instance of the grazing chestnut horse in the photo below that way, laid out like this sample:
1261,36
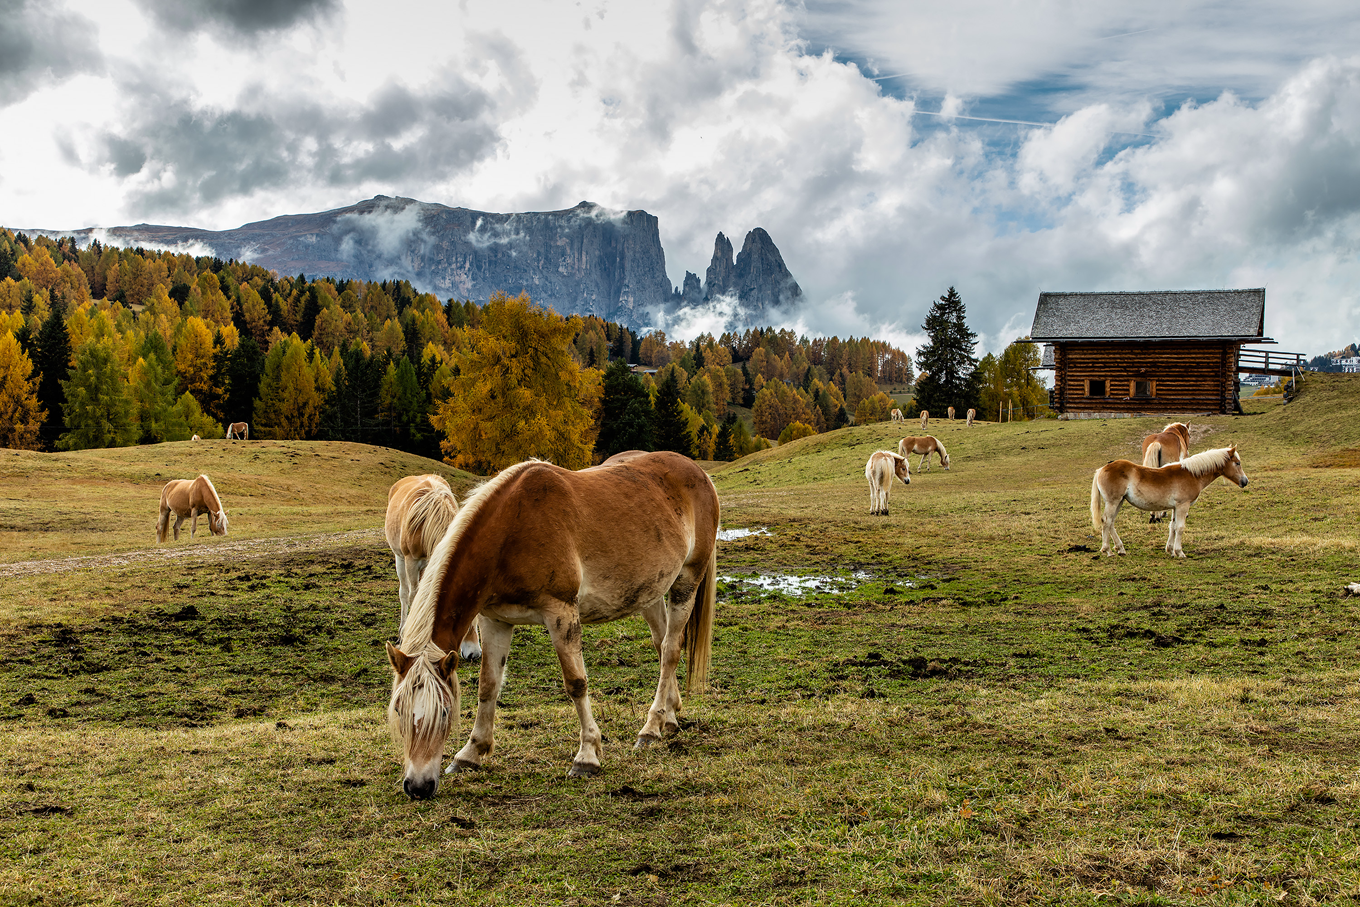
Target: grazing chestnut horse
1172,487
972,414
188,499
951,414
925,446
925,418
883,465
539,544
896,415
1167,446
419,511
238,430
195,438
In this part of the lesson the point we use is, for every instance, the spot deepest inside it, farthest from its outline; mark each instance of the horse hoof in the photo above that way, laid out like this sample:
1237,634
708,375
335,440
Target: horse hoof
646,741
583,770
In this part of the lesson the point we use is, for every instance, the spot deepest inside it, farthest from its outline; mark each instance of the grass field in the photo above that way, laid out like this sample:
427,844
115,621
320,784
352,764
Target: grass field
964,704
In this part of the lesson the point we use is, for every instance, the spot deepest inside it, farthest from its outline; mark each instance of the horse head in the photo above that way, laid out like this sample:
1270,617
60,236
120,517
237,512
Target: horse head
1232,468
424,697
217,522
902,469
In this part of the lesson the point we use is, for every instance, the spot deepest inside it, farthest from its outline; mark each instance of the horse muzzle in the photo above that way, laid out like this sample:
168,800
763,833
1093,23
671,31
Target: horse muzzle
1243,482
420,788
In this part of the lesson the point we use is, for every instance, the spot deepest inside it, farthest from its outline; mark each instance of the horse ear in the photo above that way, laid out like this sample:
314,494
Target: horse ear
448,665
401,662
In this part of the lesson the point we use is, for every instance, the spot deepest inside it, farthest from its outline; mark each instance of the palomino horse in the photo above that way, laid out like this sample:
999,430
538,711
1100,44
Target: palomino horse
539,544
195,438
925,419
883,465
972,414
238,430
1167,446
188,499
896,415
419,511
1172,487
925,446
951,414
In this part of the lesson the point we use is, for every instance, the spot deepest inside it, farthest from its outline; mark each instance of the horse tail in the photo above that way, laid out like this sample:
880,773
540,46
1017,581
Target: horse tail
699,629
428,519
1153,455
1095,501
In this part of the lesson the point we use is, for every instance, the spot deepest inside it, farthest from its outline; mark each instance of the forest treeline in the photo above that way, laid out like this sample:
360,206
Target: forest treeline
105,346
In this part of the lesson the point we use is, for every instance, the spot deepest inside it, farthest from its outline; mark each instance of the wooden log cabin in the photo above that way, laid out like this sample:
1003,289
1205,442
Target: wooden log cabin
1150,353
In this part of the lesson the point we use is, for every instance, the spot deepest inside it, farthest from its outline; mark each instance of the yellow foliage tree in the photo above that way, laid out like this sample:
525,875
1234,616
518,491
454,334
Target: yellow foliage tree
194,358
20,413
518,392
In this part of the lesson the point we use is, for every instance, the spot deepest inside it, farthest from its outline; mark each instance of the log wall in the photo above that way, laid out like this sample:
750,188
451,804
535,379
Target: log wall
1185,376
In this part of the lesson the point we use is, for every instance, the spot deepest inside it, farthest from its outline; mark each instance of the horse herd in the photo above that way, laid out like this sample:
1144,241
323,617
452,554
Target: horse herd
539,544
1168,481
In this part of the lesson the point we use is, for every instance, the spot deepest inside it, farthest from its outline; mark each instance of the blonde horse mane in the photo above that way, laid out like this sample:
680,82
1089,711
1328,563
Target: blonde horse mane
221,514
944,454
1207,461
419,628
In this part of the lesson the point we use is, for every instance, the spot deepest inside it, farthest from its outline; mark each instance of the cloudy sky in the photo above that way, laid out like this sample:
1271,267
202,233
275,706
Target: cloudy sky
892,148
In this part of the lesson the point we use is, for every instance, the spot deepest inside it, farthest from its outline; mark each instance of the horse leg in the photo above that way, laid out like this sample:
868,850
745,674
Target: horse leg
662,717
1177,527
193,527
179,521
564,628
1108,532
403,590
496,637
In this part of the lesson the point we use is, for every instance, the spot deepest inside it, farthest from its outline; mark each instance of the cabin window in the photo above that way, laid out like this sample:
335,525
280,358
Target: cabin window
1143,389
1095,387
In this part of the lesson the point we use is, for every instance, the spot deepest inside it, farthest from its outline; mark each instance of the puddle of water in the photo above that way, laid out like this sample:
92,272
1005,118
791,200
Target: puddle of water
796,585
727,535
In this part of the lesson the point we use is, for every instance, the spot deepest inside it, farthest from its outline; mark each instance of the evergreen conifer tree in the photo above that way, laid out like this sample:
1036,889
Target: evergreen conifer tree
948,369
53,362
672,429
245,365
625,412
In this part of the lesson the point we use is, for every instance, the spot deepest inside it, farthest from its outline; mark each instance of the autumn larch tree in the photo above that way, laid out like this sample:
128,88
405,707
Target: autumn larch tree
98,407
20,414
518,392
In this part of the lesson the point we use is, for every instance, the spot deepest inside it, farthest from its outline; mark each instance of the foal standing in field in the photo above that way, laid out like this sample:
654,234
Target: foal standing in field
419,511
188,499
539,544
883,465
1174,487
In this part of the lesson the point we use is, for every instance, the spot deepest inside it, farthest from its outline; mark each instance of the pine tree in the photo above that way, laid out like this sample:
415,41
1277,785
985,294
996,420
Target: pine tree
53,361
947,365
722,448
245,365
20,414
672,428
99,406
625,412
155,392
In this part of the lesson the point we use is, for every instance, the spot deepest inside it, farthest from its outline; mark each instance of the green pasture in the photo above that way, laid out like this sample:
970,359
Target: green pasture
963,705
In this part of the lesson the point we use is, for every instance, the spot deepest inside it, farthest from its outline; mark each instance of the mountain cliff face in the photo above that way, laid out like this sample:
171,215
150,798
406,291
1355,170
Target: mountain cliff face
584,260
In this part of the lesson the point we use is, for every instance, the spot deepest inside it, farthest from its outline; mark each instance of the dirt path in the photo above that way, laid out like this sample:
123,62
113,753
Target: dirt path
216,552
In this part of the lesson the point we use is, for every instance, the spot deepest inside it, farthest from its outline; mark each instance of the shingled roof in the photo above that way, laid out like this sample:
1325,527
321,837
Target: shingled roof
1155,315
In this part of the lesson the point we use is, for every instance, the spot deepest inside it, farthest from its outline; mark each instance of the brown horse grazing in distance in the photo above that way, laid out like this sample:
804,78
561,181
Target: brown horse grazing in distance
951,414
896,415
188,499
419,511
925,446
1173,487
1170,445
925,418
539,544
238,430
883,465
972,414
195,438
